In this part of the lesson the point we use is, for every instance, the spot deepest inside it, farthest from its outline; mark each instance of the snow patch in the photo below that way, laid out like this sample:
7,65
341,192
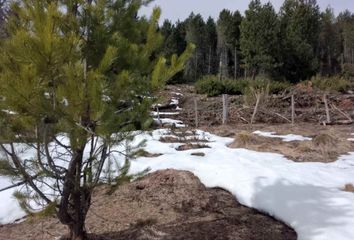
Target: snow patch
285,138
177,93
174,101
169,122
351,139
155,114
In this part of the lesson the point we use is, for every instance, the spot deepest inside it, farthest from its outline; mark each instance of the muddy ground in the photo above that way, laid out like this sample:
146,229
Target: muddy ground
167,204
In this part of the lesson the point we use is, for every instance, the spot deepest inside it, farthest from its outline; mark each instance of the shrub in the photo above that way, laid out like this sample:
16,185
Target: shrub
235,87
257,89
209,85
335,83
276,87
348,71
212,86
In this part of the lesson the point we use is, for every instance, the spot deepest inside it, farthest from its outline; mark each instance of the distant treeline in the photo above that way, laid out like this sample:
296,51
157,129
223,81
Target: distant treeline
294,44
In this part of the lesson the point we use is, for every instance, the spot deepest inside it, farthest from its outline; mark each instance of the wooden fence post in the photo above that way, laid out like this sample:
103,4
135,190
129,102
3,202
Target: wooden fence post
224,109
196,112
258,99
158,115
327,108
292,109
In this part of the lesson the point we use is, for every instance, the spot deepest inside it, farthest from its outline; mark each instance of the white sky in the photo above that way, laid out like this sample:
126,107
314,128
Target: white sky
180,9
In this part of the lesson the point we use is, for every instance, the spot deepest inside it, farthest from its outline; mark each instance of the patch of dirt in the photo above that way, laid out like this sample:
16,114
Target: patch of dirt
143,153
190,146
349,188
167,205
199,154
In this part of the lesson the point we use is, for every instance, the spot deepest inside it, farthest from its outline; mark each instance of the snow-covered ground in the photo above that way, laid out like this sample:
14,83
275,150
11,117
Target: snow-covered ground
307,196
155,114
169,122
285,138
9,208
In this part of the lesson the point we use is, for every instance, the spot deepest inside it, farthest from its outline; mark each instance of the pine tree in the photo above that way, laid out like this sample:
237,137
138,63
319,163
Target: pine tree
85,73
259,38
195,27
211,65
329,44
170,44
346,27
228,42
175,42
223,24
300,36
234,41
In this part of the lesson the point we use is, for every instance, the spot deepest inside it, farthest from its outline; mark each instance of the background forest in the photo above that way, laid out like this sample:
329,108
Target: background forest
295,44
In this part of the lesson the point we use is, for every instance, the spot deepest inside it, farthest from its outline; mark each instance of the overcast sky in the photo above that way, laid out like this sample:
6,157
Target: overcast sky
180,9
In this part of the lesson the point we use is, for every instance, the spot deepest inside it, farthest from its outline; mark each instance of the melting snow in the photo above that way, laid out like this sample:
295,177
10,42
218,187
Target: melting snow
307,196
155,114
169,122
285,138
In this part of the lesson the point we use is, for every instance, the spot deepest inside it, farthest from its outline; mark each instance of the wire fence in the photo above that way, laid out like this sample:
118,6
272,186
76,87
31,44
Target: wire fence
292,109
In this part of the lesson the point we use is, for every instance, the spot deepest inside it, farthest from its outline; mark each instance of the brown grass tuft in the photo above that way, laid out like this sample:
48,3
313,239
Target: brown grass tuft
250,140
325,140
349,188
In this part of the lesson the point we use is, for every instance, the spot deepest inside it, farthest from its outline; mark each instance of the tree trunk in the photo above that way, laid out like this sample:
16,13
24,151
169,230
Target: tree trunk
76,199
330,71
253,74
345,50
235,73
292,109
209,63
220,68
196,66
77,232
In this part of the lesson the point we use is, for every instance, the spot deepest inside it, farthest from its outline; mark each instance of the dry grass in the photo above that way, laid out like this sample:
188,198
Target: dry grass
325,147
349,188
325,140
173,139
144,153
246,139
